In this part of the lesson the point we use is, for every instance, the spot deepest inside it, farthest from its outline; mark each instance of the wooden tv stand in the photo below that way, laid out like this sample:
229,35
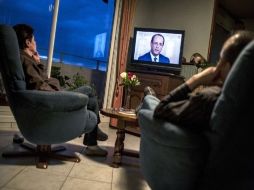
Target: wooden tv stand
162,83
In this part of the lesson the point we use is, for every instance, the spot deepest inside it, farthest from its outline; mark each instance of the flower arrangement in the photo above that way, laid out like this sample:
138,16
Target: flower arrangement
129,79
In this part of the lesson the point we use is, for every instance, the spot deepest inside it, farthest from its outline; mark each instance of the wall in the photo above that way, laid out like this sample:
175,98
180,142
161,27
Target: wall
249,24
195,17
225,20
224,27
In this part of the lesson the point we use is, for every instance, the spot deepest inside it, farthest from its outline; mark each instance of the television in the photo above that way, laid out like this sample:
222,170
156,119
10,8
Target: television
162,54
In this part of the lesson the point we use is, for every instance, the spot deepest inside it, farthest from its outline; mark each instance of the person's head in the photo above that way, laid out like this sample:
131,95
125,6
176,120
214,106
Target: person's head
231,50
25,35
157,43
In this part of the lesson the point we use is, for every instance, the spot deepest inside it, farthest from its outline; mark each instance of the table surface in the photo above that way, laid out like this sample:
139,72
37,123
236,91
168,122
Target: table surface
119,114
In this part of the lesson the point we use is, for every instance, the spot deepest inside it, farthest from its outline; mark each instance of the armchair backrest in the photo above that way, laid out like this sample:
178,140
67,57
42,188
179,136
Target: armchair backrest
231,162
10,64
235,104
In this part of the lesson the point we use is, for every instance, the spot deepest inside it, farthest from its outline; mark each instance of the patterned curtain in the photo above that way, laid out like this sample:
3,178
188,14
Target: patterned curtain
128,9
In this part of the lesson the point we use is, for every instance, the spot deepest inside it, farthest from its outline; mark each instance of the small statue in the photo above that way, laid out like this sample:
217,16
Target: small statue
198,60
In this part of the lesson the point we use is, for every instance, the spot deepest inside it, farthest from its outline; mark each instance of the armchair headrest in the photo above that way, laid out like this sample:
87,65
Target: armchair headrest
236,101
10,64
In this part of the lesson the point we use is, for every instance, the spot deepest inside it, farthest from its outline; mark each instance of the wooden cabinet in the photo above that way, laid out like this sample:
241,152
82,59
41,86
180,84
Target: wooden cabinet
161,83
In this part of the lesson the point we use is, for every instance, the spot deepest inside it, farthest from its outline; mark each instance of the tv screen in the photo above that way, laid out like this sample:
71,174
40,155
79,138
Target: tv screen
157,49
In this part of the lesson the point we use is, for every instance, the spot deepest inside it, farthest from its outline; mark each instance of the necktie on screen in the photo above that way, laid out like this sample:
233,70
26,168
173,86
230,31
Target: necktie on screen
155,59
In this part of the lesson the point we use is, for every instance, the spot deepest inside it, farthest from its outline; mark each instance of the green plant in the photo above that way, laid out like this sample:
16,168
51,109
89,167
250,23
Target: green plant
56,73
69,83
76,81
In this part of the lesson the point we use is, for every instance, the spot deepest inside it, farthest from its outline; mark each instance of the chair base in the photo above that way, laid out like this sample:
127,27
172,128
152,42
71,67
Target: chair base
43,152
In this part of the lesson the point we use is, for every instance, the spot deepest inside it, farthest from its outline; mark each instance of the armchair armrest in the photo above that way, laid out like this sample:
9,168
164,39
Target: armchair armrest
51,101
166,133
171,157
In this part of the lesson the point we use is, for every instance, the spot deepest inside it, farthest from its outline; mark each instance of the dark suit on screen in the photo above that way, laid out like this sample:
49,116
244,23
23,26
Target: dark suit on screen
147,57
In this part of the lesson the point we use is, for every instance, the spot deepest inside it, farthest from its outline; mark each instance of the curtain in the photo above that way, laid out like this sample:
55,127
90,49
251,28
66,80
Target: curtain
112,64
128,10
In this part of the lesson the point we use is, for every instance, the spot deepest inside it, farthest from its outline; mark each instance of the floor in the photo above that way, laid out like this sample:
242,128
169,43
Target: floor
91,173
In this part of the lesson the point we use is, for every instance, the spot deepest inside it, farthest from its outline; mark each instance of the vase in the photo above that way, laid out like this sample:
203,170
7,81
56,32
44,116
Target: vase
127,97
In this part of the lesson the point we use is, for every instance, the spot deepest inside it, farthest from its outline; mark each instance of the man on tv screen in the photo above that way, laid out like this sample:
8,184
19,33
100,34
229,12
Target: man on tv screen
157,43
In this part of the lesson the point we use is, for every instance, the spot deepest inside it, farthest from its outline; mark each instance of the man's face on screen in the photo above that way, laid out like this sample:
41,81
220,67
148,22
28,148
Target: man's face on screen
157,45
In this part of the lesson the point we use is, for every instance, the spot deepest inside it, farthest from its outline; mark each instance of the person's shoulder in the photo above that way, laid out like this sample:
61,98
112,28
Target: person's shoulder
146,55
164,58
24,58
28,61
22,53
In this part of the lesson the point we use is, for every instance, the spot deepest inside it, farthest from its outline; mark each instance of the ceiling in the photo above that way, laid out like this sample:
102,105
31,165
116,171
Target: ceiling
241,9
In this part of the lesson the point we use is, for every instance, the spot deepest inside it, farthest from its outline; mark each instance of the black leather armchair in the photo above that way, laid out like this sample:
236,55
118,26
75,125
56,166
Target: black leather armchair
43,118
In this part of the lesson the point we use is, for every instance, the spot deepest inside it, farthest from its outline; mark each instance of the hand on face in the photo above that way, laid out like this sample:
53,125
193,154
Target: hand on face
32,49
36,57
208,77
223,67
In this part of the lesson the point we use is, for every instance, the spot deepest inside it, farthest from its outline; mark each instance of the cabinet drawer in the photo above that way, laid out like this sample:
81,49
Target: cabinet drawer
158,83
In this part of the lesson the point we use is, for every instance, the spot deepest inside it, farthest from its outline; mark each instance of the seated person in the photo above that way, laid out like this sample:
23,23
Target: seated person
36,78
154,55
193,110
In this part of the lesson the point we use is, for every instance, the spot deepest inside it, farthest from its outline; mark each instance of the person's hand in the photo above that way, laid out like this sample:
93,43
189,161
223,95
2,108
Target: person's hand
36,57
208,77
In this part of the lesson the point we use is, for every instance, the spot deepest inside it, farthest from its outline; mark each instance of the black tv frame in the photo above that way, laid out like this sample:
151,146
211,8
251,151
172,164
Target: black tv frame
148,66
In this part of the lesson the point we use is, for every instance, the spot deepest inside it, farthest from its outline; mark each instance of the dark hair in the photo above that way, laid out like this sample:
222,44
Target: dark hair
235,44
24,32
157,35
